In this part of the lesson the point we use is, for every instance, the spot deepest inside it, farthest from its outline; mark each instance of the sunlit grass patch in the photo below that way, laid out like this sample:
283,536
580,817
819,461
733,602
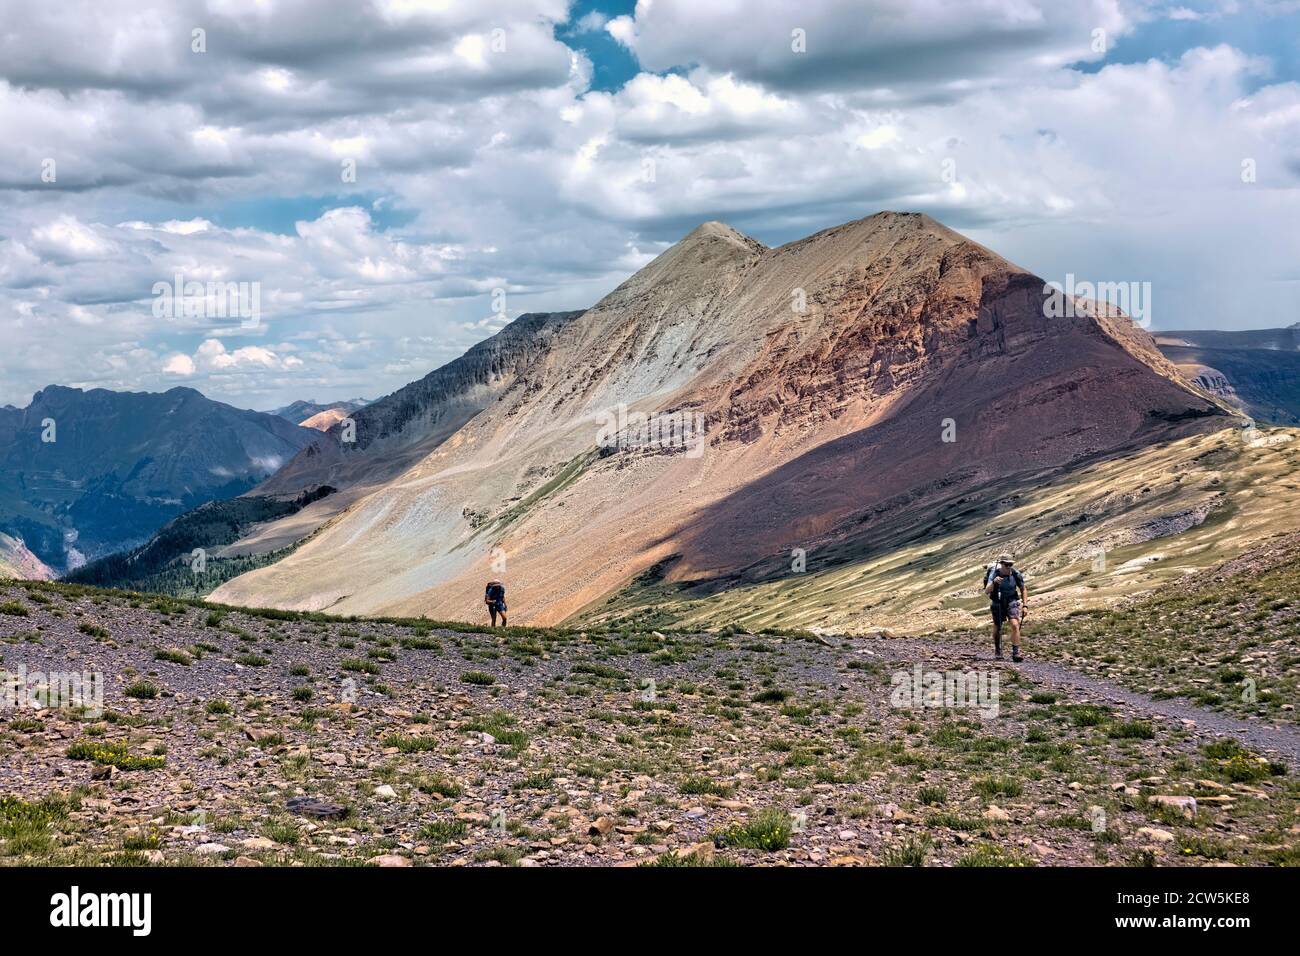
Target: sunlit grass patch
769,830
113,754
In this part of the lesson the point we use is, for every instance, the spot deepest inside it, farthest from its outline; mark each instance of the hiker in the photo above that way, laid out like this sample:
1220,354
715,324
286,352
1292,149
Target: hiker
495,598
1005,586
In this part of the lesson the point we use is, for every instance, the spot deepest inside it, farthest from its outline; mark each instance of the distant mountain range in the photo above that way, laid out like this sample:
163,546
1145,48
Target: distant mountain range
87,473
311,414
1258,370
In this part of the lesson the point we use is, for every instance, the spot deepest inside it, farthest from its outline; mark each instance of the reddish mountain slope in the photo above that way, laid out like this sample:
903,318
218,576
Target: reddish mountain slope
821,422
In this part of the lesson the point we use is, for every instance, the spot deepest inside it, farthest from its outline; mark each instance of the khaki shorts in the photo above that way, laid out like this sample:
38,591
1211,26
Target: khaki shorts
1012,612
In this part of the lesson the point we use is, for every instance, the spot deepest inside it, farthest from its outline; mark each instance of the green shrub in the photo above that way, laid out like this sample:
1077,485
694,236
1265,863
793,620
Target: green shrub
114,755
440,785
931,796
998,787
442,831
409,745
988,854
700,786
911,852
1087,715
768,830
142,690
1131,730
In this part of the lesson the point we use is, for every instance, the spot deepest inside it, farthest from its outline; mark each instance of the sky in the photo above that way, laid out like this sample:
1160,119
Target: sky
393,180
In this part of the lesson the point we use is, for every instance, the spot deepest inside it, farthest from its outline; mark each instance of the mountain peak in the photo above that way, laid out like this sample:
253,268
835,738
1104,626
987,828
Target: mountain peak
713,230
892,219
830,357
895,214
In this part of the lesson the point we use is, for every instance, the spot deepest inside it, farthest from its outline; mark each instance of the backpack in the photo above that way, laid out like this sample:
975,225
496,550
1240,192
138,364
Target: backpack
1019,581
496,591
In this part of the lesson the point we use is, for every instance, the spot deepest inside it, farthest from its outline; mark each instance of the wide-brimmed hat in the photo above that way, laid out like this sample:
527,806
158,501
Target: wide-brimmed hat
1005,558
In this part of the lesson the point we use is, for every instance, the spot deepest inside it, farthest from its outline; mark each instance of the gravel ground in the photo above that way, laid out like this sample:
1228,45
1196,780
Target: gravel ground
545,747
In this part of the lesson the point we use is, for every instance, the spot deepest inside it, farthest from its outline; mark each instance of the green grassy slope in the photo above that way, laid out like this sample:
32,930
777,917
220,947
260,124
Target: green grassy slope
1085,539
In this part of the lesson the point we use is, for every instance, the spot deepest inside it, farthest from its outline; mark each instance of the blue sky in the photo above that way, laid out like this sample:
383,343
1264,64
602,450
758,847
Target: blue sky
281,213
1275,36
613,63
550,149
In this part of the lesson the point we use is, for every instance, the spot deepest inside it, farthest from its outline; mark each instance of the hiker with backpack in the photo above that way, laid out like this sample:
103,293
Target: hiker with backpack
1005,587
495,599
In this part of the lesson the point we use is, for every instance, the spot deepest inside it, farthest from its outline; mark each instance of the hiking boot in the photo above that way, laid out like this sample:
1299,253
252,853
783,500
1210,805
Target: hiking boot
997,655
1015,655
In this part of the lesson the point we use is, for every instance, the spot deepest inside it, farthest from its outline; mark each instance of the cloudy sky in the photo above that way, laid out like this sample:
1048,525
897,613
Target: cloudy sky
379,167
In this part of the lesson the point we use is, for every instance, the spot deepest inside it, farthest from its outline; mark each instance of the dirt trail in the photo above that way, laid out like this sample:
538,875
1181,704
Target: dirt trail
1280,742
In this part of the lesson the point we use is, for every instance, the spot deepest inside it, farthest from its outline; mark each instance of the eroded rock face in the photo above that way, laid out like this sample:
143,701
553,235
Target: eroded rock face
845,382
1210,379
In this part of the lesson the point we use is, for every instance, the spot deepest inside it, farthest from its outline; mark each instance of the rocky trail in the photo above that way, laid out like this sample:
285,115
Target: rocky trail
1282,742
